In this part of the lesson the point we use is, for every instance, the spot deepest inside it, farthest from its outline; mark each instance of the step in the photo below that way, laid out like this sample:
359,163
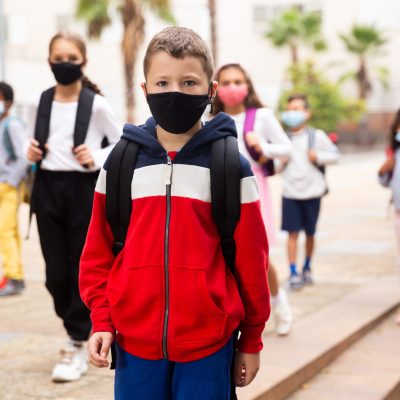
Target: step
369,370
316,340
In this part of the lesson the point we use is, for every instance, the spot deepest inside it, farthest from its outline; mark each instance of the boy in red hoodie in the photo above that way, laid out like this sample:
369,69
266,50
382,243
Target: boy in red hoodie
168,298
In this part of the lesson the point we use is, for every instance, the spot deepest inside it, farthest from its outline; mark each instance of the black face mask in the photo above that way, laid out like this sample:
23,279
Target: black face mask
177,112
66,72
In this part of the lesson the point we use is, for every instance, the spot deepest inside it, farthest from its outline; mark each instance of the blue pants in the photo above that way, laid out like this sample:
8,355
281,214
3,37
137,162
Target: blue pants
204,379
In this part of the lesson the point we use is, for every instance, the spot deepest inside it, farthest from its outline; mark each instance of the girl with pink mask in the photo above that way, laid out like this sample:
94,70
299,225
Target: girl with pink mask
261,139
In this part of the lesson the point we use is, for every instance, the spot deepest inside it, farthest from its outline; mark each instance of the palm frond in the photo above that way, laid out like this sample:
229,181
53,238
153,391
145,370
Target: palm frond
364,39
95,13
295,27
162,9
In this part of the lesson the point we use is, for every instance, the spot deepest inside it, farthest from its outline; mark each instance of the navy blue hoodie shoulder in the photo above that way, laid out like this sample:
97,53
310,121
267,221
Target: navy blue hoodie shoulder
195,152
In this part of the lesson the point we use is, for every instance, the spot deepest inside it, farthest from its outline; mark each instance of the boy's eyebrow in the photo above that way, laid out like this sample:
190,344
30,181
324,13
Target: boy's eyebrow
162,77
191,75
186,76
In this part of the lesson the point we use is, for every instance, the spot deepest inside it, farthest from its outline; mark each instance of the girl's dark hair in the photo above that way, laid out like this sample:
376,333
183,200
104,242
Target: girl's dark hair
7,91
251,101
80,43
393,131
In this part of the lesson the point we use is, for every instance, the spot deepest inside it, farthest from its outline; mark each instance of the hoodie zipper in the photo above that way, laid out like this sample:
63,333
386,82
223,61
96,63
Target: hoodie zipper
168,183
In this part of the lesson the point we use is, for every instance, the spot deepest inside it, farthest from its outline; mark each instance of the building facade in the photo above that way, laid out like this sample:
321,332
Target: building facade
241,27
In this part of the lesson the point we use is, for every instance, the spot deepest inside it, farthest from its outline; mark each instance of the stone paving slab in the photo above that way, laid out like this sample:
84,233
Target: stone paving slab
319,337
369,370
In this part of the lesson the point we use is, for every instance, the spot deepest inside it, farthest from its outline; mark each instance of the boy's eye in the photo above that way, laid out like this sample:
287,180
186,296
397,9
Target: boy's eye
162,83
189,83
73,59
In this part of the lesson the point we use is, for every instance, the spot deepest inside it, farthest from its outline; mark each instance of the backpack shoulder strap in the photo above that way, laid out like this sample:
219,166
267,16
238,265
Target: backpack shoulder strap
42,126
225,174
83,115
120,171
249,120
7,139
311,137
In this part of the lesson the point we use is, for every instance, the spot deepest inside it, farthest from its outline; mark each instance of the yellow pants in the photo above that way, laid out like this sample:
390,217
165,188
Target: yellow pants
10,244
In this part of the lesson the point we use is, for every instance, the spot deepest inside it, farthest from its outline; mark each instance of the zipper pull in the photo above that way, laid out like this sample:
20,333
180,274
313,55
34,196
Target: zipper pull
168,172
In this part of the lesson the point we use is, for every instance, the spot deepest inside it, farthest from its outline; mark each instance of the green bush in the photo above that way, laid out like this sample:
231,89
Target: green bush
327,103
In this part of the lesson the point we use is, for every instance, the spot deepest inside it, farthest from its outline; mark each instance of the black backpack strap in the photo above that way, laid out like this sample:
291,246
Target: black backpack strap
83,115
42,126
120,170
225,174
122,161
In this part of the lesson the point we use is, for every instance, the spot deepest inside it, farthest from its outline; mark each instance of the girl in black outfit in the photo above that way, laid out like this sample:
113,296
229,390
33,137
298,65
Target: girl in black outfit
65,181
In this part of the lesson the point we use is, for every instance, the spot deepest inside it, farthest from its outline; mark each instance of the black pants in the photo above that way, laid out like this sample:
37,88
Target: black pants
62,202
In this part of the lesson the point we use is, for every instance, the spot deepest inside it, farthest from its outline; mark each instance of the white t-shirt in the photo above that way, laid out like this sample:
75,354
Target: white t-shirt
59,156
302,180
273,139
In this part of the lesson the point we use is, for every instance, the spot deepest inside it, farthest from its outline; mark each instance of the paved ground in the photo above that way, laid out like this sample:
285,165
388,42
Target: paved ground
355,245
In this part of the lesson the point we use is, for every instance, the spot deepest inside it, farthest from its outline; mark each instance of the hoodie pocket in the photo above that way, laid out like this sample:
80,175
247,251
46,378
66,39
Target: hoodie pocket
137,312
195,316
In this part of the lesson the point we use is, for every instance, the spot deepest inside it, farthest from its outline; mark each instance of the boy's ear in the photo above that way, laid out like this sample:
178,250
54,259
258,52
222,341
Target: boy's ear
309,114
213,88
143,85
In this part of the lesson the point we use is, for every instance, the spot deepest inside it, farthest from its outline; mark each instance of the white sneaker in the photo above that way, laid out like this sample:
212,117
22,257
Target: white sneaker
73,363
283,314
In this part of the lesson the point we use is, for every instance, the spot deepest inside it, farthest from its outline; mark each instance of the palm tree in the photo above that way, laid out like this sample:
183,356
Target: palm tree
213,27
294,28
96,14
365,41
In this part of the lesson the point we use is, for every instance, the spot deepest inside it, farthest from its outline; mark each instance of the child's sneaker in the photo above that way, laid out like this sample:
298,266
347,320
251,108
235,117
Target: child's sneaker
73,363
12,287
283,314
295,282
3,282
307,277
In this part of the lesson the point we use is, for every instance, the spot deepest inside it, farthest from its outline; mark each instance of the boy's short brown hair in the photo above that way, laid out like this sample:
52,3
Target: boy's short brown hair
299,96
180,42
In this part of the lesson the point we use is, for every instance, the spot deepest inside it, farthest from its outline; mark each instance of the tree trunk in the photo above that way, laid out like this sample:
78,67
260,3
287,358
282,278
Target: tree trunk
133,21
364,85
294,54
213,27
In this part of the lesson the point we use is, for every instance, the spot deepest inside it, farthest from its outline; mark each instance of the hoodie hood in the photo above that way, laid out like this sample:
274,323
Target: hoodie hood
220,126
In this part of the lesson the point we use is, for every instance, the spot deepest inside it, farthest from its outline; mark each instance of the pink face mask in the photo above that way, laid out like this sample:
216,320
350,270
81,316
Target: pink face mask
232,95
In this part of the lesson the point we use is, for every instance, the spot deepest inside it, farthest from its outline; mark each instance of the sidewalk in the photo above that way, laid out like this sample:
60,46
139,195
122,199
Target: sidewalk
356,245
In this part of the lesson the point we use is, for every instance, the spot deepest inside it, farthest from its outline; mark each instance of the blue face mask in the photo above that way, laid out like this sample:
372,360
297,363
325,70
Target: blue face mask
292,119
2,108
397,137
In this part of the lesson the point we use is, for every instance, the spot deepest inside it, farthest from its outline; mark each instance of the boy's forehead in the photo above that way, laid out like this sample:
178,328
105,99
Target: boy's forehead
2,96
297,103
163,64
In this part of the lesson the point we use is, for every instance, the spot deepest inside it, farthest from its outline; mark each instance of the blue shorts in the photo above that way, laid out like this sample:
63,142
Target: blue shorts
207,378
299,215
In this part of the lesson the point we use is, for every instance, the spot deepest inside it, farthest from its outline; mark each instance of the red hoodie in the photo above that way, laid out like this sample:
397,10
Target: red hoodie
169,293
